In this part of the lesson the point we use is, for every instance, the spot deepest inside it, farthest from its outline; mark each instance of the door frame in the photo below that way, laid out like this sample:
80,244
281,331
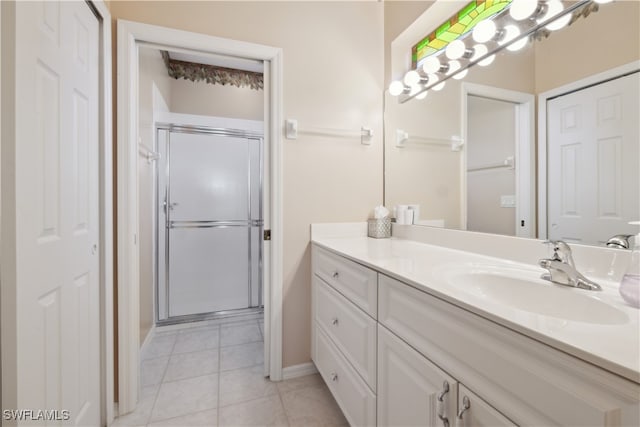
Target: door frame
130,35
105,200
524,152
543,98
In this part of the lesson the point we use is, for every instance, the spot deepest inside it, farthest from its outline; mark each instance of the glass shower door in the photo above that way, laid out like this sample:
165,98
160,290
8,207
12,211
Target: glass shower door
213,223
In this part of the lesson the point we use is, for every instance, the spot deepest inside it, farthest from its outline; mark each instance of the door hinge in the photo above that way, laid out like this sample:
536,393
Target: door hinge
267,234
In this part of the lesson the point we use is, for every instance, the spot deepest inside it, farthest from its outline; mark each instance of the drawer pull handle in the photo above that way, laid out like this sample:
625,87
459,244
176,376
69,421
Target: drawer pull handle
335,274
334,377
465,406
442,405
334,321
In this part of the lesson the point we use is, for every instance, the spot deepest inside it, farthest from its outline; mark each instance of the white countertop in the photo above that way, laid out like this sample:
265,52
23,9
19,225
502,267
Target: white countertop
614,346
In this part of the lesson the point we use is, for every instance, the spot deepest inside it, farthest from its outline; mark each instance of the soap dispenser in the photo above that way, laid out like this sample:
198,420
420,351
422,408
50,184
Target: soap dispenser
630,285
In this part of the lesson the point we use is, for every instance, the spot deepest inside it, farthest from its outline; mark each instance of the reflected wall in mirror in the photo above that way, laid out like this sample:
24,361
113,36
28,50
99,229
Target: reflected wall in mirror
548,151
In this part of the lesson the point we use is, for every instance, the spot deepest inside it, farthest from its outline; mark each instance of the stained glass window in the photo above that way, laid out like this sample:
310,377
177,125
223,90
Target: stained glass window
458,25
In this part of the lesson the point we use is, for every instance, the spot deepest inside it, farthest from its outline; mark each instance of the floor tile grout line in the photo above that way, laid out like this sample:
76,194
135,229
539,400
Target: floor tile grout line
155,400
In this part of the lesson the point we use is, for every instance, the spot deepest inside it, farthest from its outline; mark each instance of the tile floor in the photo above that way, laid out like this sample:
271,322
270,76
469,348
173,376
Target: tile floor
211,375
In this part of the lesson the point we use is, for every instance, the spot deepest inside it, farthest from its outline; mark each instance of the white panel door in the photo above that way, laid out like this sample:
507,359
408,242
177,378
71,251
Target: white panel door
411,389
57,209
594,162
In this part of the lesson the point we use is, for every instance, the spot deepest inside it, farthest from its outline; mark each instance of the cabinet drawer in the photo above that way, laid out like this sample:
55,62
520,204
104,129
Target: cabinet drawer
357,401
352,331
356,282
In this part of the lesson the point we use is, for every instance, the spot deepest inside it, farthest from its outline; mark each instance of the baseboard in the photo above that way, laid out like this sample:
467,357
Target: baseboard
147,340
300,370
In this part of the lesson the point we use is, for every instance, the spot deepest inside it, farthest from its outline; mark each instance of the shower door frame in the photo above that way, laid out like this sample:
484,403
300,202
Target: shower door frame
204,130
131,35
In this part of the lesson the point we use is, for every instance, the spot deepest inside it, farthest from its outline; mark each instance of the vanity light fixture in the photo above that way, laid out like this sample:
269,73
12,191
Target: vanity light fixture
484,31
523,9
396,88
554,7
480,51
500,24
412,78
422,95
431,65
456,49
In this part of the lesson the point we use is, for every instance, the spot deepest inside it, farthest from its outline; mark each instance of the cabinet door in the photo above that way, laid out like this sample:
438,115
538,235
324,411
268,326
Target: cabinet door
475,412
412,391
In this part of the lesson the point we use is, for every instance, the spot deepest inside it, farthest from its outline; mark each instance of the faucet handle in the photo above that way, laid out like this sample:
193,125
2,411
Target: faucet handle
561,251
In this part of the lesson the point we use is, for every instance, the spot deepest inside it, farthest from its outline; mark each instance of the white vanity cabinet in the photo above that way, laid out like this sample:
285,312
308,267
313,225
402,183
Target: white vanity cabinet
394,354
411,390
344,305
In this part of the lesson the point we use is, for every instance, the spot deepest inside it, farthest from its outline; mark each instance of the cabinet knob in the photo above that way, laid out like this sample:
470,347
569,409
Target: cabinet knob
465,406
335,274
334,321
334,377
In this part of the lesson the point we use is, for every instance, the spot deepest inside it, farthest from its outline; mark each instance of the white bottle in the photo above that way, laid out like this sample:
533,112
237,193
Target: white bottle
630,285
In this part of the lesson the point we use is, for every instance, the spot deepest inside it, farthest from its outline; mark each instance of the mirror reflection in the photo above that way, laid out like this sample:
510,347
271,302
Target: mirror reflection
541,143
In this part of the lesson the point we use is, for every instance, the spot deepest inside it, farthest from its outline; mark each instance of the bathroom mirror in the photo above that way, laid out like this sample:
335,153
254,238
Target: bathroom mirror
504,149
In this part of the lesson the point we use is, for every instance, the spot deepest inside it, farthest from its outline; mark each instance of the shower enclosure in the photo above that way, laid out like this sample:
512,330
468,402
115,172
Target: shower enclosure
210,222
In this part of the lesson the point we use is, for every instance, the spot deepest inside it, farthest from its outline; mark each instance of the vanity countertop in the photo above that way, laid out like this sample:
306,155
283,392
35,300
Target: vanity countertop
613,344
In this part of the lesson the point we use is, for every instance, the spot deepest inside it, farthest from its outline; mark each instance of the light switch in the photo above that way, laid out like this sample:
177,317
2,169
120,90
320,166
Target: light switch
508,201
291,129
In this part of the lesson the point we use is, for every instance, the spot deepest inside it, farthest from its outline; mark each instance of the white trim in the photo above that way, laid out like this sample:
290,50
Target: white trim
525,152
106,216
300,370
542,130
130,35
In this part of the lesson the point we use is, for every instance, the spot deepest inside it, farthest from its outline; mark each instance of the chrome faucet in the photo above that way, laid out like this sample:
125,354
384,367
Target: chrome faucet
619,241
562,269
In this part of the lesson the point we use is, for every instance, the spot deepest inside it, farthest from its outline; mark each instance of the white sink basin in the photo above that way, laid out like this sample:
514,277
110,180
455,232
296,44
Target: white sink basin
523,289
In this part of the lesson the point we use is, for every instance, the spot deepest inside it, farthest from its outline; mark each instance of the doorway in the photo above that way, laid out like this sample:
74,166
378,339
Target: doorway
133,36
210,223
499,190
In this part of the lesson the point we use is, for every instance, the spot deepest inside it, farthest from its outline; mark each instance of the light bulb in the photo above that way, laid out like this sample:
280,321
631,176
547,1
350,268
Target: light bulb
484,31
412,78
396,88
559,23
478,51
522,9
431,65
455,49
461,75
516,46
433,79
554,7
481,50
510,33
422,95
439,86
453,67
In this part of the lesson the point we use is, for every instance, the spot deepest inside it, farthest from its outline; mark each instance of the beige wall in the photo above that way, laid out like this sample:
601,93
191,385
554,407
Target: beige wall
398,15
333,78
152,73
205,99
604,40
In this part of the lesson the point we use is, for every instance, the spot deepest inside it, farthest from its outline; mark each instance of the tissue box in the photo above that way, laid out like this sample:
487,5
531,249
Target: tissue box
379,228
